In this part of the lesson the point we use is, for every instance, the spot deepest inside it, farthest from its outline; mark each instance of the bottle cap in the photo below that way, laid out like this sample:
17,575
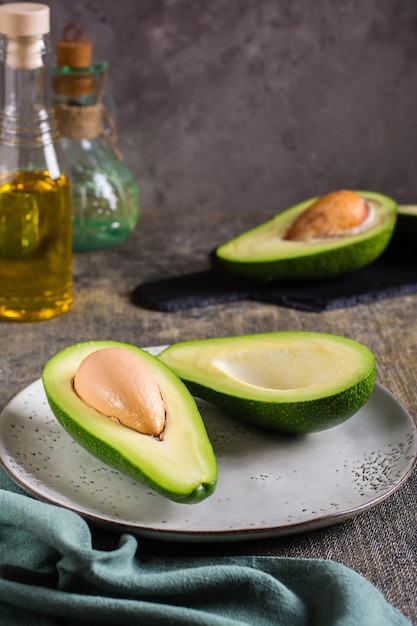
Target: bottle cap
74,53
24,19
73,50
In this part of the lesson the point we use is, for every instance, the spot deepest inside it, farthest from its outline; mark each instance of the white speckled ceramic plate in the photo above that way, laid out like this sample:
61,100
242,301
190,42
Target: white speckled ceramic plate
268,485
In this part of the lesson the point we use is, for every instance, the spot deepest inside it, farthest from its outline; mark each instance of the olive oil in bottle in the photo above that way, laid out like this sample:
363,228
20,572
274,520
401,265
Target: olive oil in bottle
35,195
35,244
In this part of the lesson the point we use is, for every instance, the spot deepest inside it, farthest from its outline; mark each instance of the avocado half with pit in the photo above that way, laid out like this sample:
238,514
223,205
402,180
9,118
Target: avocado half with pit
278,250
129,410
295,382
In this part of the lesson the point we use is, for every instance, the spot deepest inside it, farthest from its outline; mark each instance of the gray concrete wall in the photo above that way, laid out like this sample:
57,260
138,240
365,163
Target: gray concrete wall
258,103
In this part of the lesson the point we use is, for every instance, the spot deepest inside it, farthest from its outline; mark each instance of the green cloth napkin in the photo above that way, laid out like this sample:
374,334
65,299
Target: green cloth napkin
51,575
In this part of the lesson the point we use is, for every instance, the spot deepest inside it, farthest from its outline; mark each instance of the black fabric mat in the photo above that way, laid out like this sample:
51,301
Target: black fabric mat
393,274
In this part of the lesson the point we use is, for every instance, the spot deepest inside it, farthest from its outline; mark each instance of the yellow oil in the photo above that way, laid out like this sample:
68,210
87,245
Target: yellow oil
35,246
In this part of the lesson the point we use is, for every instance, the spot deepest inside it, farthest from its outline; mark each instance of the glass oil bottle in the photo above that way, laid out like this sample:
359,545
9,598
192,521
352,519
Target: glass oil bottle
105,199
35,193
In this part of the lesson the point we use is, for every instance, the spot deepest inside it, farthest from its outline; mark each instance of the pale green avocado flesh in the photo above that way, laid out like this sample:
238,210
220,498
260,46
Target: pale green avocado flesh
181,466
263,253
296,382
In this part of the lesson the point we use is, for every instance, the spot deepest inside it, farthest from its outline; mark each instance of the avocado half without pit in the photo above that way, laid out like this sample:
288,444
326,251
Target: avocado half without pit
406,226
295,382
129,410
322,237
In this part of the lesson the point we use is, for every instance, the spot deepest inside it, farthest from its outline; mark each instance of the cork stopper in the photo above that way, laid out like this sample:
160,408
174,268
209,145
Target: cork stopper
24,19
25,24
73,50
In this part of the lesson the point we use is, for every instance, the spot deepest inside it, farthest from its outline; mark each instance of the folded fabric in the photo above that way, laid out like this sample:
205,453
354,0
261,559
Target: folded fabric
393,274
50,574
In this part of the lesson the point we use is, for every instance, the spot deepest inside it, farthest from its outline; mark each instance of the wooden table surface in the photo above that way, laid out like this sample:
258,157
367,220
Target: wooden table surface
380,543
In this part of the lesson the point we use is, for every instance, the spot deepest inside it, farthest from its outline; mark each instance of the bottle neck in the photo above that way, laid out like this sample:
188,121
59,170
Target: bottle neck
26,113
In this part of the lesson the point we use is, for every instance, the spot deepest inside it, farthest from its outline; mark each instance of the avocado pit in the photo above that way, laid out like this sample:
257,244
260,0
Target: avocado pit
329,216
118,384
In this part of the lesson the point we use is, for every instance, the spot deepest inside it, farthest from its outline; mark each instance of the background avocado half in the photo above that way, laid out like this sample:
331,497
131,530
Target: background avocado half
181,467
263,253
295,382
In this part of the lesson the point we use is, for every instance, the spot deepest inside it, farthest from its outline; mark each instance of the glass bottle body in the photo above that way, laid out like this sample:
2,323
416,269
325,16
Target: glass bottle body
35,194
105,197
104,194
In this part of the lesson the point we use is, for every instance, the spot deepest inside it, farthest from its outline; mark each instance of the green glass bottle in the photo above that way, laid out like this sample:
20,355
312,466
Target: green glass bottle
105,201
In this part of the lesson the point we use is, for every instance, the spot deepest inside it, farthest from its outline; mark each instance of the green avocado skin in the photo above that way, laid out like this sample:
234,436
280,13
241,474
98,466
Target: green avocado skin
135,457
319,259
289,417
